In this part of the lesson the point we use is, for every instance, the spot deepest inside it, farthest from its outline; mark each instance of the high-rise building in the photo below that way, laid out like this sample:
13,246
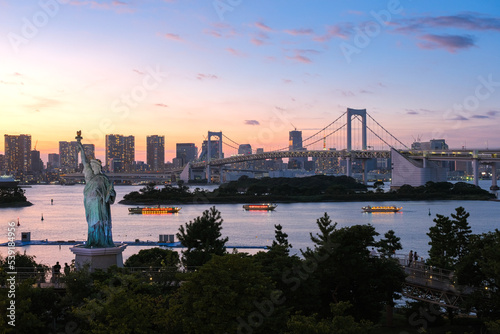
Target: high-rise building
155,152
245,149
295,144
53,161
2,163
68,156
17,154
120,153
36,162
295,140
185,152
129,153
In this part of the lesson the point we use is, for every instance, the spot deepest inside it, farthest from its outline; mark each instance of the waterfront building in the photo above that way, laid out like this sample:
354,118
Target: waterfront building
433,144
295,140
245,149
120,153
185,152
54,161
36,162
155,152
68,156
295,144
17,154
330,165
2,163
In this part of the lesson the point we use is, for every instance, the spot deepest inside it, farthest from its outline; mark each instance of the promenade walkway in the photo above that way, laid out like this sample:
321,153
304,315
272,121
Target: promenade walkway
430,284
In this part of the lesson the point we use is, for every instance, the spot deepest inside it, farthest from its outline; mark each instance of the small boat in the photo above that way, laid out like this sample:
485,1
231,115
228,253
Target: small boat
260,207
154,210
381,208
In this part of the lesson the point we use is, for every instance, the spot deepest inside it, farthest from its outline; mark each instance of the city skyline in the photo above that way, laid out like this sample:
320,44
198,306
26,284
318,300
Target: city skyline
179,69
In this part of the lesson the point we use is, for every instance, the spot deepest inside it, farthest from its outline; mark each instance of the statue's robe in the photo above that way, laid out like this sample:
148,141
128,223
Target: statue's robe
99,194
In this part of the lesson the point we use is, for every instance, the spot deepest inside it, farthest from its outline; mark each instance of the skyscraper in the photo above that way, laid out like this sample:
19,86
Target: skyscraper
53,161
155,152
186,152
295,140
120,153
68,156
295,144
17,154
36,162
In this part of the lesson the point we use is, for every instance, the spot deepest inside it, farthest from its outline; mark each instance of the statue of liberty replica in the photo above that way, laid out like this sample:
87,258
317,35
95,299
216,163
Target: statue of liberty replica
99,194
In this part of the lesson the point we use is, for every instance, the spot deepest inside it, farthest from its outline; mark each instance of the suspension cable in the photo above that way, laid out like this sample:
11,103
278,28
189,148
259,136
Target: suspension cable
223,135
324,128
328,135
385,131
236,148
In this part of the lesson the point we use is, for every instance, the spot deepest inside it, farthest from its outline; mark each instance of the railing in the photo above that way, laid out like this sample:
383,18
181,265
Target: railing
45,275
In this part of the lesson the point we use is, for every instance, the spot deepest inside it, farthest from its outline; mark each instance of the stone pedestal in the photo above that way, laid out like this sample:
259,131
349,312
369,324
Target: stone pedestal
98,258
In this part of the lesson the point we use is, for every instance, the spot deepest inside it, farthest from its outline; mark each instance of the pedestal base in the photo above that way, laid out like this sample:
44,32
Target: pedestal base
98,258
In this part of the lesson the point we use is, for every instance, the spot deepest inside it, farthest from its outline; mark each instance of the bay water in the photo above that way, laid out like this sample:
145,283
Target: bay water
64,219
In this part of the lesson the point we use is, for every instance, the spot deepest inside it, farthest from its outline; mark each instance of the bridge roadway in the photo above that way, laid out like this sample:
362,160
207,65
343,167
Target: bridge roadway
489,157
485,156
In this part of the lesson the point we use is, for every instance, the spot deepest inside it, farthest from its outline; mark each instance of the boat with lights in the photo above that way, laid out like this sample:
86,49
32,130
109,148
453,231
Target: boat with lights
381,208
260,207
154,210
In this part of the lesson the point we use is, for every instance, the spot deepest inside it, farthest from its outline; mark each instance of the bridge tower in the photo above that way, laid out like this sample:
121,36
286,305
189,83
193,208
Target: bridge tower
209,152
350,114
356,112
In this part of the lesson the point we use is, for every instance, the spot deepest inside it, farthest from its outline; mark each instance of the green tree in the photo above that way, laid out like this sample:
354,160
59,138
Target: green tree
449,239
153,257
388,246
340,323
346,272
202,239
286,272
125,304
228,294
480,270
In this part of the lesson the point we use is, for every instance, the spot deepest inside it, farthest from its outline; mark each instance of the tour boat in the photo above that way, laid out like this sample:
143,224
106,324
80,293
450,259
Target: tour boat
381,208
154,210
260,207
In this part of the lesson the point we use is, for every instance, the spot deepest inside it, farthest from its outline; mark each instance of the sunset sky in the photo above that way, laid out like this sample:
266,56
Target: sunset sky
254,69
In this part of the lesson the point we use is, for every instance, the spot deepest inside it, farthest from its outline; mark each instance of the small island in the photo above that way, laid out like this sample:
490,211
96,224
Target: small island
318,188
13,196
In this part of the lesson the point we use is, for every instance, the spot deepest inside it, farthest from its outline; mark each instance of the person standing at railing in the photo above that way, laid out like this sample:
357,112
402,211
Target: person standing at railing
410,257
415,258
57,272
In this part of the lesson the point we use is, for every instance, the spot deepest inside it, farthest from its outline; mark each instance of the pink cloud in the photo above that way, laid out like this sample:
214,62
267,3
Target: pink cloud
341,30
234,52
221,30
451,43
202,76
300,59
161,105
173,37
257,41
302,31
262,26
